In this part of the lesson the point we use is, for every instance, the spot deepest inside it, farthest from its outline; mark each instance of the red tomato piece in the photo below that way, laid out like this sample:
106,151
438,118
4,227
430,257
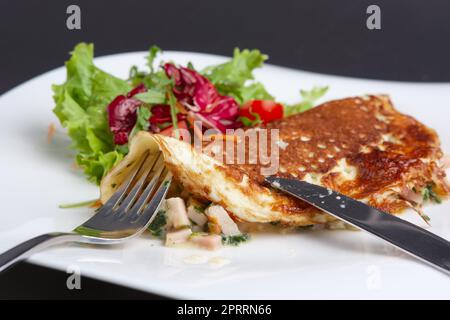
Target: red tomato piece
267,110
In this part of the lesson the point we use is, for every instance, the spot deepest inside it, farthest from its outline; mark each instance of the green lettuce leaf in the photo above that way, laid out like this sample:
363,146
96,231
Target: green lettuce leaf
81,103
255,91
152,97
235,77
96,165
309,99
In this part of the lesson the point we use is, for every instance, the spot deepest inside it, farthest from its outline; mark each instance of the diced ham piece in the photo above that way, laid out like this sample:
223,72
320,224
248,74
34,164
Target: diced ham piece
176,213
198,217
208,241
218,215
178,236
196,228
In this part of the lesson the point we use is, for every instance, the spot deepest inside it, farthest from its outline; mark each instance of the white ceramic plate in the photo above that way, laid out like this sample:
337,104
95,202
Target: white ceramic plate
36,177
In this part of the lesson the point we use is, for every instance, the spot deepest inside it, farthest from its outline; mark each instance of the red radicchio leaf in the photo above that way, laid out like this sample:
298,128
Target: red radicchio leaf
198,95
139,89
122,114
161,114
195,92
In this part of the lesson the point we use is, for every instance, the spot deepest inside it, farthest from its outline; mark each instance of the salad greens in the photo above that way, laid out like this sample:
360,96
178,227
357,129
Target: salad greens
143,115
231,78
309,99
87,102
81,107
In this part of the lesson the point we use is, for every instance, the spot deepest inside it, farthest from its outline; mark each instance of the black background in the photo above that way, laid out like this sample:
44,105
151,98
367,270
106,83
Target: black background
321,36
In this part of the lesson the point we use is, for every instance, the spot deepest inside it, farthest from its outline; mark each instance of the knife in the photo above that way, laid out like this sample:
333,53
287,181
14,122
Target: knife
404,235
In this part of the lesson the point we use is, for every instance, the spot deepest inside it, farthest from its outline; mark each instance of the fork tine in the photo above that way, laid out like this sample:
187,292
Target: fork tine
129,200
156,176
121,191
150,210
123,223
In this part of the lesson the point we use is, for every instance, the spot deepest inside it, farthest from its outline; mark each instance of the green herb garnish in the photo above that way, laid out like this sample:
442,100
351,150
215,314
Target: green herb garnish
173,110
235,240
429,194
157,227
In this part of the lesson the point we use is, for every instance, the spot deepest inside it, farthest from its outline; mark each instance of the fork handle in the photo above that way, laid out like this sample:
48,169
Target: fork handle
27,248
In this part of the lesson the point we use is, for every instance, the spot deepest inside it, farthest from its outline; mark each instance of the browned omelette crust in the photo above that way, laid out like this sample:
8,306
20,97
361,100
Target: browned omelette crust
361,147
390,150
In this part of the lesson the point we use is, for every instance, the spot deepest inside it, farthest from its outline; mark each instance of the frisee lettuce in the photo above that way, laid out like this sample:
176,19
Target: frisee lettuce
232,78
154,78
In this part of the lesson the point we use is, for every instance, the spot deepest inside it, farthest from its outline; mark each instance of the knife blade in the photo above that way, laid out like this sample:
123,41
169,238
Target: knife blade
404,235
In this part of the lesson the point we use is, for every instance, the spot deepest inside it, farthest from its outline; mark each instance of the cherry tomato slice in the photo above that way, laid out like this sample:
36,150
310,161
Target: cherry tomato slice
267,110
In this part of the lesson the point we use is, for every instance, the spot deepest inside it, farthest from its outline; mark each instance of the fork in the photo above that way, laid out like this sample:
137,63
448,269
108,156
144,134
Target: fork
128,212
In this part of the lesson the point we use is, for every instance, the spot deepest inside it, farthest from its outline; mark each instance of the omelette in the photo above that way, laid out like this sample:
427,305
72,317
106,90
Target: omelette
362,147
